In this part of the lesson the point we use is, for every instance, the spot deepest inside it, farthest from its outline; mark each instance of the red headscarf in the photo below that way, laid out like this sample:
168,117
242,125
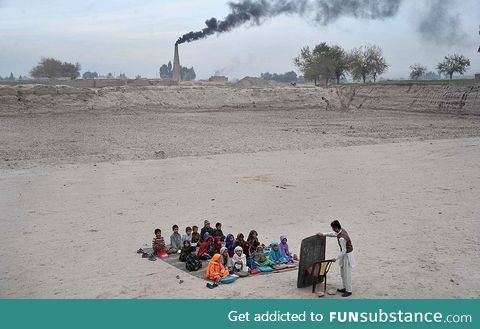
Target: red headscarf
204,246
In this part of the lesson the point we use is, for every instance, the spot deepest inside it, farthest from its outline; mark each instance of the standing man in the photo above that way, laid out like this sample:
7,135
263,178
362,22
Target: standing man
345,258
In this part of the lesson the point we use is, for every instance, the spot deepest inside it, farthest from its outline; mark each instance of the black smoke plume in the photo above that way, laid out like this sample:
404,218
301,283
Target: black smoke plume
441,23
322,11
327,11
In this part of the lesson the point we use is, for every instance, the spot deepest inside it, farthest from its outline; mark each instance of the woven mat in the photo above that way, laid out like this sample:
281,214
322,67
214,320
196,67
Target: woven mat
174,261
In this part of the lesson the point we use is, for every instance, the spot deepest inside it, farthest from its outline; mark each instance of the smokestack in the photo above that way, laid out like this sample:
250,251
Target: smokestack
176,65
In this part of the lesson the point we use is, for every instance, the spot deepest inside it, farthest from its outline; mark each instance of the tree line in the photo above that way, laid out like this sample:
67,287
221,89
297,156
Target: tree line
52,68
331,62
326,62
11,77
283,77
451,64
323,62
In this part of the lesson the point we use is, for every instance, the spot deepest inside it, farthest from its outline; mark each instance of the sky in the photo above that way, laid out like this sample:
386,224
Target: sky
137,37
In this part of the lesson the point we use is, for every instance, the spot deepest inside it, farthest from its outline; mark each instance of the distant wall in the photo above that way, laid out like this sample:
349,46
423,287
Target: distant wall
92,83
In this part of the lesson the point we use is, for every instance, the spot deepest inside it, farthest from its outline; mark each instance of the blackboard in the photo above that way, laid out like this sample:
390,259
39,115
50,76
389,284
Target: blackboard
312,250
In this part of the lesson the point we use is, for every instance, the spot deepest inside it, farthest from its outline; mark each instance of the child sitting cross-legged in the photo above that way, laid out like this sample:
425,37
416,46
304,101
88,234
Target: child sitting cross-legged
175,241
276,255
215,270
187,235
186,250
239,261
195,235
240,241
158,245
230,244
207,248
253,240
218,232
260,258
284,249
227,261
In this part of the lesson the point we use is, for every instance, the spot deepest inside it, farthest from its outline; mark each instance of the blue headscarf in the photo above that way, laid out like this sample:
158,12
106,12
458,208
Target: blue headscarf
275,256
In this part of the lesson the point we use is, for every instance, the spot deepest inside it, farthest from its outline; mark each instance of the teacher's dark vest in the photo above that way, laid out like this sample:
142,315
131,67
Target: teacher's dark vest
344,234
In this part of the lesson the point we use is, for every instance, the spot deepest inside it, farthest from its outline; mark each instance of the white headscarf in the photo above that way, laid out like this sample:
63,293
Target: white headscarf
239,262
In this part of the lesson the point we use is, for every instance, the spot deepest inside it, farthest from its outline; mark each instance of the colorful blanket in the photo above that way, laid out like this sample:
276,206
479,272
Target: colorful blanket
173,260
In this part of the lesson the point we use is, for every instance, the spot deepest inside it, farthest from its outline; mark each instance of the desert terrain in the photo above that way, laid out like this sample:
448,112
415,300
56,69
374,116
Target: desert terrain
87,174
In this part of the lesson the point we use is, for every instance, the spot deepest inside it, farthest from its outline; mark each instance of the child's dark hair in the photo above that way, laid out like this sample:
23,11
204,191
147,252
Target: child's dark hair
157,230
218,225
194,227
336,224
188,229
174,226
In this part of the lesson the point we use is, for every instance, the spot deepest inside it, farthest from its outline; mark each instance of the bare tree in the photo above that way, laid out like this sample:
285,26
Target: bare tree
339,62
358,65
376,61
306,64
453,64
417,71
367,61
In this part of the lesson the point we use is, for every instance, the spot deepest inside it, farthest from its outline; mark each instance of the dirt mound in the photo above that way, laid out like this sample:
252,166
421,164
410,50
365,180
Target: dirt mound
248,93
433,98
252,82
60,99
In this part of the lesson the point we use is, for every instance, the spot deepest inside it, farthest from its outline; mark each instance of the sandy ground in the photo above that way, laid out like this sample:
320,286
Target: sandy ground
76,205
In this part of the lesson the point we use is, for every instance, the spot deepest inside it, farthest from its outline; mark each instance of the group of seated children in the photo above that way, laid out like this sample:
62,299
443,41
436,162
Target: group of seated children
182,243
229,257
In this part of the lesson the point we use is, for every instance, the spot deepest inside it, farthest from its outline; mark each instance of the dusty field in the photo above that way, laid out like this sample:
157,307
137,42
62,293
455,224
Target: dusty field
86,176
